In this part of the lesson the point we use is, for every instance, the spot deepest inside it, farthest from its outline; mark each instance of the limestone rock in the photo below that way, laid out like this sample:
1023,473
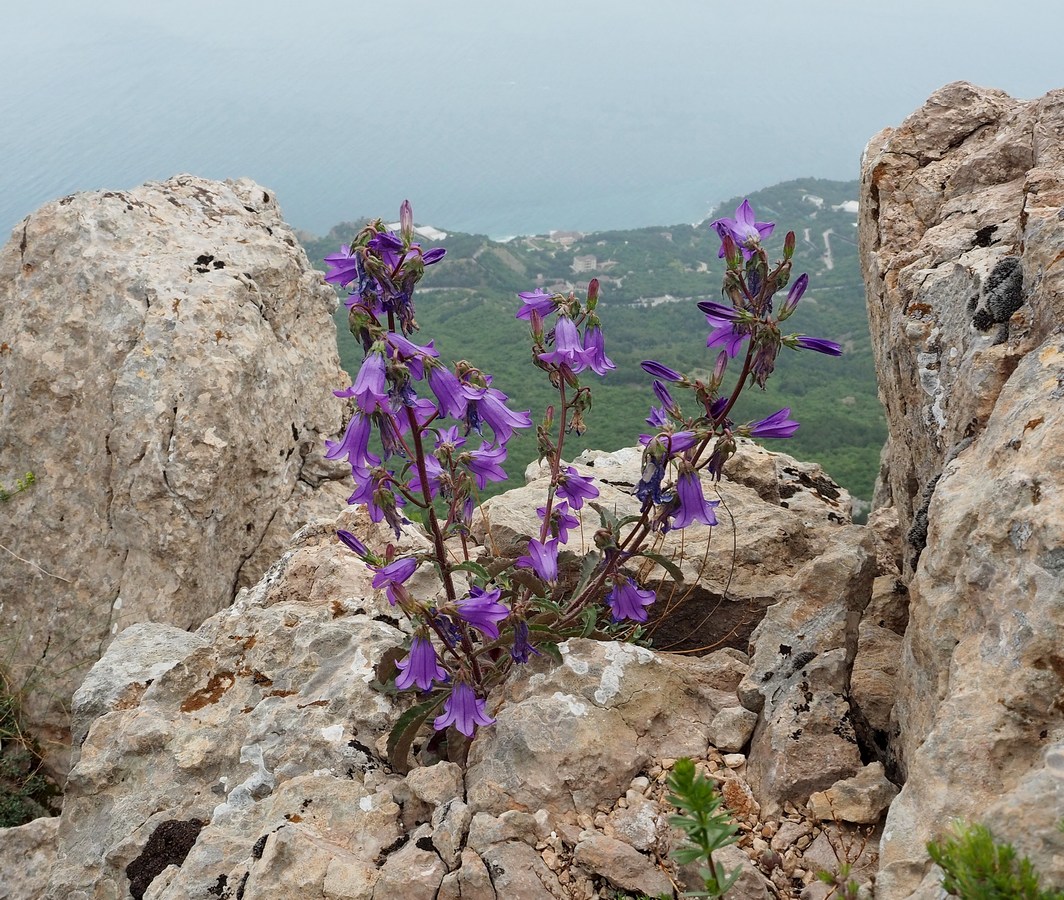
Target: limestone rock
800,675
167,375
780,514
958,234
518,872
571,736
27,854
620,864
861,799
981,682
731,728
961,236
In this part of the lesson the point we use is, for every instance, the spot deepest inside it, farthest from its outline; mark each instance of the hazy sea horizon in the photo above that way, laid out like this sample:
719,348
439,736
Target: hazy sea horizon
490,118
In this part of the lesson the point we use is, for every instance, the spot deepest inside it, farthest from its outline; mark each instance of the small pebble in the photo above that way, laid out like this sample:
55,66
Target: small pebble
640,783
734,760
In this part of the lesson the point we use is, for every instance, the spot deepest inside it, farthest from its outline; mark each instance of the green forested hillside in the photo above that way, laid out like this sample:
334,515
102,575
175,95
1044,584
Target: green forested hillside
651,279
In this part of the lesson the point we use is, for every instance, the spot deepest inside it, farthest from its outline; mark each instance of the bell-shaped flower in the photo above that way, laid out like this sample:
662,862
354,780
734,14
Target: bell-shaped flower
448,390
560,520
482,610
542,558
369,390
778,425
693,506
421,667
538,301
344,267
489,405
395,573
522,647
486,464
594,346
746,233
629,601
355,443
568,350
576,488
433,472
464,710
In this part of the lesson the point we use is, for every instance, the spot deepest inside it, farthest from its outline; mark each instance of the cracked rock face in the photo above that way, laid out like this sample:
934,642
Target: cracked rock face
962,237
166,366
959,232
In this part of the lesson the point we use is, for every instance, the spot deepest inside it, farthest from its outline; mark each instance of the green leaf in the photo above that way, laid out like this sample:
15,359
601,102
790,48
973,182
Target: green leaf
405,730
607,518
667,564
474,567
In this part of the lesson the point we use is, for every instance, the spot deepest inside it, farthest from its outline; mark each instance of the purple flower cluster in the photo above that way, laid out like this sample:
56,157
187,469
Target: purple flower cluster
401,387
410,444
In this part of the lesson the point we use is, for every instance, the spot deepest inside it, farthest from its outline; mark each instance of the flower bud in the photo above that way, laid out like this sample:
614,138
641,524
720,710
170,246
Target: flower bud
721,365
406,222
733,256
592,294
788,245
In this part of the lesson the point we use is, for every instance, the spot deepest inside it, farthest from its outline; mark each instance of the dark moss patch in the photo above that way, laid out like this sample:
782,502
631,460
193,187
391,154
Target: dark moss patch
168,845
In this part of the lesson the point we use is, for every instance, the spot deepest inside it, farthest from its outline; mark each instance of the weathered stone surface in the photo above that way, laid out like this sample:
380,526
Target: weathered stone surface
168,368
800,675
731,728
519,872
961,238
861,799
571,736
27,854
981,684
415,871
724,595
620,864
959,234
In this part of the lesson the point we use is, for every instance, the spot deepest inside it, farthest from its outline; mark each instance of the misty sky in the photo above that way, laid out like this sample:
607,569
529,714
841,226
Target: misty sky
489,116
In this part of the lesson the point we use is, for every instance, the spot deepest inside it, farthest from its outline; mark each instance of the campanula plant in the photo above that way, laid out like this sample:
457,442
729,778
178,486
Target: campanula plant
428,436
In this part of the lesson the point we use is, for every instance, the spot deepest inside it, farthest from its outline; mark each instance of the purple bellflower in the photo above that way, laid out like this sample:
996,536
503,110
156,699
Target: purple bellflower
746,233
522,647
486,464
542,558
344,267
482,610
793,296
658,417
538,301
433,472
355,443
576,488
352,542
660,371
560,520
392,575
568,349
693,505
595,349
369,389
628,601
448,390
464,710
778,425
422,667
820,345
489,405
727,328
